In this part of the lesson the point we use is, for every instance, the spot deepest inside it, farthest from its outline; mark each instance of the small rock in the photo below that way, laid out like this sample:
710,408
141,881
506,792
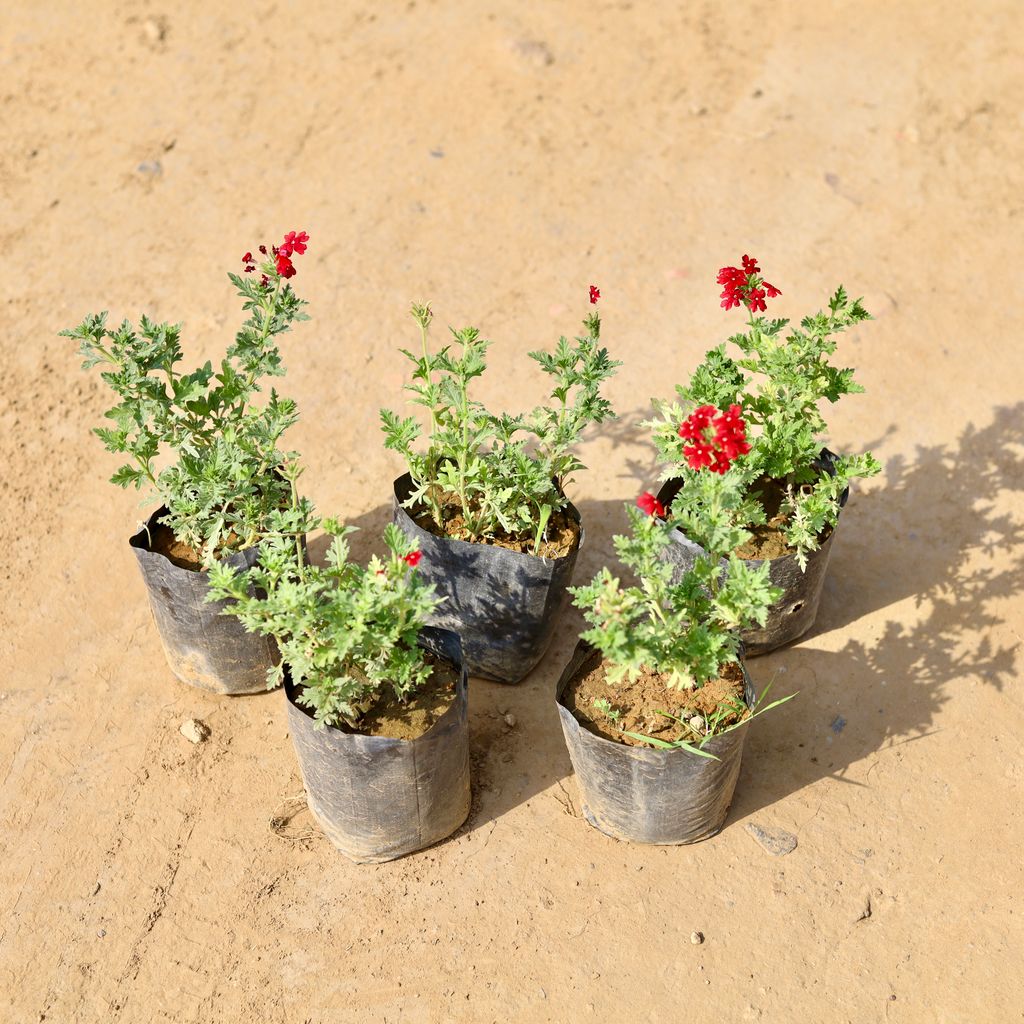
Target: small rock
154,30
696,938
101,933
194,730
534,51
543,994
838,724
150,168
510,720
775,841
697,723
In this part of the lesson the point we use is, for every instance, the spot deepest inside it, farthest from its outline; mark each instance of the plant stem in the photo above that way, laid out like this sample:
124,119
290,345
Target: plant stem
432,497
464,450
298,539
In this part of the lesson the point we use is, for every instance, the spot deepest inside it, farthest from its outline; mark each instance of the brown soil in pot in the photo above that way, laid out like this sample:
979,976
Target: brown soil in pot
768,540
639,703
163,542
390,717
561,536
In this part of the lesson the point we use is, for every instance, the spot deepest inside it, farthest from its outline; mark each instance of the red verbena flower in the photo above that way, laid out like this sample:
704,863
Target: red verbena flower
648,503
285,267
249,265
716,438
745,286
413,558
595,294
294,242
263,249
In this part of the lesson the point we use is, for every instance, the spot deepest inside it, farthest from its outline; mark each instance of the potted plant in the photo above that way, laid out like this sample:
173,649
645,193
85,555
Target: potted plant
484,498
201,446
656,700
786,488
377,705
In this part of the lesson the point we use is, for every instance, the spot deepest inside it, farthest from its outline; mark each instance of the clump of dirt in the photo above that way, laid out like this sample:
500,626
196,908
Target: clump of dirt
408,721
561,536
639,702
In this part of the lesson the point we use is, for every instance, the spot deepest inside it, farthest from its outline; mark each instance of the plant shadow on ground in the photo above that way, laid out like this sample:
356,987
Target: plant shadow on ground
942,539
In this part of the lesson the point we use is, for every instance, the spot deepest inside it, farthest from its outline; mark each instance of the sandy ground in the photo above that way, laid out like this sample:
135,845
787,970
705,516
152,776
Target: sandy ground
497,159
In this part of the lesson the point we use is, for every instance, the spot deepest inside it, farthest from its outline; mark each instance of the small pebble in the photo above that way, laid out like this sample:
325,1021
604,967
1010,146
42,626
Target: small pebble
155,31
101,933
696,938
194,730
775,841
510,720
697,723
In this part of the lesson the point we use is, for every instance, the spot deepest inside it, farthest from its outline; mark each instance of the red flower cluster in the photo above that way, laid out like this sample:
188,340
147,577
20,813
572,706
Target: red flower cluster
294,243
595,294
648,503
746,286
284,266
413,558
715,438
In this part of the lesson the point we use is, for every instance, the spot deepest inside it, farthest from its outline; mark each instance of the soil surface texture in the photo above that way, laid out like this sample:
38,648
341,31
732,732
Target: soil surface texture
407,721
496,159
561,535
641,706
163,542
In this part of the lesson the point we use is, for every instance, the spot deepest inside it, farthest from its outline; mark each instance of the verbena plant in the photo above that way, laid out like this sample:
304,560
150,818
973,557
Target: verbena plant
502,473
687,629
346,634
777,383
220,481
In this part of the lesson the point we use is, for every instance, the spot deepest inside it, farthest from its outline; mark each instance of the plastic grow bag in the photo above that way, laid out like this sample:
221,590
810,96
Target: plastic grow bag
378,798
503,604
643,795
204,648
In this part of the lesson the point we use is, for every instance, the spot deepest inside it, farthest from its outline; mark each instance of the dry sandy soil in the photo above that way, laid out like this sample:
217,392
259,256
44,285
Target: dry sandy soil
497,159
